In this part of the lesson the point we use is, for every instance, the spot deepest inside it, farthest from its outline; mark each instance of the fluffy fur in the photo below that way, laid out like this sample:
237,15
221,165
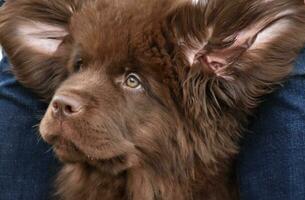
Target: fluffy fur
202,66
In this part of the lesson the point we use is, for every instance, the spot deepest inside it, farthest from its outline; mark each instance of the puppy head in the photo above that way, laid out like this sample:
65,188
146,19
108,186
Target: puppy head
126,79
107,107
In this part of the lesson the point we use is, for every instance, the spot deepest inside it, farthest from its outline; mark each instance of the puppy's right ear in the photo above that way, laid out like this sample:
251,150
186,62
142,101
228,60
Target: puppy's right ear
35,35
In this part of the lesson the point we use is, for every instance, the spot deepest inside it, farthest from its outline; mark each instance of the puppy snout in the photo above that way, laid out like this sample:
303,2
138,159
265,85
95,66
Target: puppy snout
63,106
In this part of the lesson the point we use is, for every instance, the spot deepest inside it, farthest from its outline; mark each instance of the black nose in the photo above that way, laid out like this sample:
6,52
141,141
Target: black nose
65,106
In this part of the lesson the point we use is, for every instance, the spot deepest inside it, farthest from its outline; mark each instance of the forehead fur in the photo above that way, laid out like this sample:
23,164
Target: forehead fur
105,29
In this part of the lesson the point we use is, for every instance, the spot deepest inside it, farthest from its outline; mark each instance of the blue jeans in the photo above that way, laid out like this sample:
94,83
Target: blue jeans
27,165
271,165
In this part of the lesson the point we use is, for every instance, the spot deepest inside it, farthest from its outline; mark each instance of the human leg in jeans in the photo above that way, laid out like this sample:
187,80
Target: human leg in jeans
272,161
27,166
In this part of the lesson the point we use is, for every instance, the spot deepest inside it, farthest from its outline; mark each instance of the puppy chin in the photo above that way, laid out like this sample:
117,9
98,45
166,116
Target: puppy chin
110,156
68,153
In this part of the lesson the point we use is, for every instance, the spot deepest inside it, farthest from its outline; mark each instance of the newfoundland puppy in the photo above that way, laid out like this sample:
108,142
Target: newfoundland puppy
148,98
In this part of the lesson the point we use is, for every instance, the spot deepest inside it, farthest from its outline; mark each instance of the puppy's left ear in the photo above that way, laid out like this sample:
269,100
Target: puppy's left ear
227,37
35,35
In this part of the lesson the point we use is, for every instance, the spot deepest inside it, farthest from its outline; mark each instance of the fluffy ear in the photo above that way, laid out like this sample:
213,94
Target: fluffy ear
231,52
35,35
219,35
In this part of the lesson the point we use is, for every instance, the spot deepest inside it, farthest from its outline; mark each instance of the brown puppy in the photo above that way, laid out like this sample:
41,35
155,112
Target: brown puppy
148,97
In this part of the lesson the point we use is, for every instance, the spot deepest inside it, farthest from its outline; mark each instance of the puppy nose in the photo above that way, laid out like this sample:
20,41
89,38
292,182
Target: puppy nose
65,106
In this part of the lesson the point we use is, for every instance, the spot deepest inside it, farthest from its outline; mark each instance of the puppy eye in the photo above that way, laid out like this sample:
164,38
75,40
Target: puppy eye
78,64
133,81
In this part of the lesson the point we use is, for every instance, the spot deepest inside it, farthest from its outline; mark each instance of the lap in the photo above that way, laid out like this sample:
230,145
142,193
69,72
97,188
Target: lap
272,159
26,165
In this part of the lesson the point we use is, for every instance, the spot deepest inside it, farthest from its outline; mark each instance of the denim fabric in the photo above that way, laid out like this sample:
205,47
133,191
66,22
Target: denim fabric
26,163
271,165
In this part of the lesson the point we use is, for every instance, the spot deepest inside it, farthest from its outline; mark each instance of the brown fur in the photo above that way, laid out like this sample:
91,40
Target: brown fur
177,137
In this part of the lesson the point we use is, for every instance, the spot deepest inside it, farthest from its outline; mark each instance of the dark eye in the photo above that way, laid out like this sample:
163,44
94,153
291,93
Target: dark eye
133,81
78,64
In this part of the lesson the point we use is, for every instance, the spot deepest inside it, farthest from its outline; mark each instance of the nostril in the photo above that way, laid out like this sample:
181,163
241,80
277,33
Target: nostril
68,109
55,106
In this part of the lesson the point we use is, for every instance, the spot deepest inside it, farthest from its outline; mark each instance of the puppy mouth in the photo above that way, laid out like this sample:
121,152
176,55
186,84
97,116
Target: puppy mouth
68,152
70,146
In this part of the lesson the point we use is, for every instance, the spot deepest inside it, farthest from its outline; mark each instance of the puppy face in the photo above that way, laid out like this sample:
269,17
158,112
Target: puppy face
151,83
114,110
114,103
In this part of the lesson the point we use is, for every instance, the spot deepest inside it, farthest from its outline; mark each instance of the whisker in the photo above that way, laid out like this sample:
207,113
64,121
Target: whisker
49,150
